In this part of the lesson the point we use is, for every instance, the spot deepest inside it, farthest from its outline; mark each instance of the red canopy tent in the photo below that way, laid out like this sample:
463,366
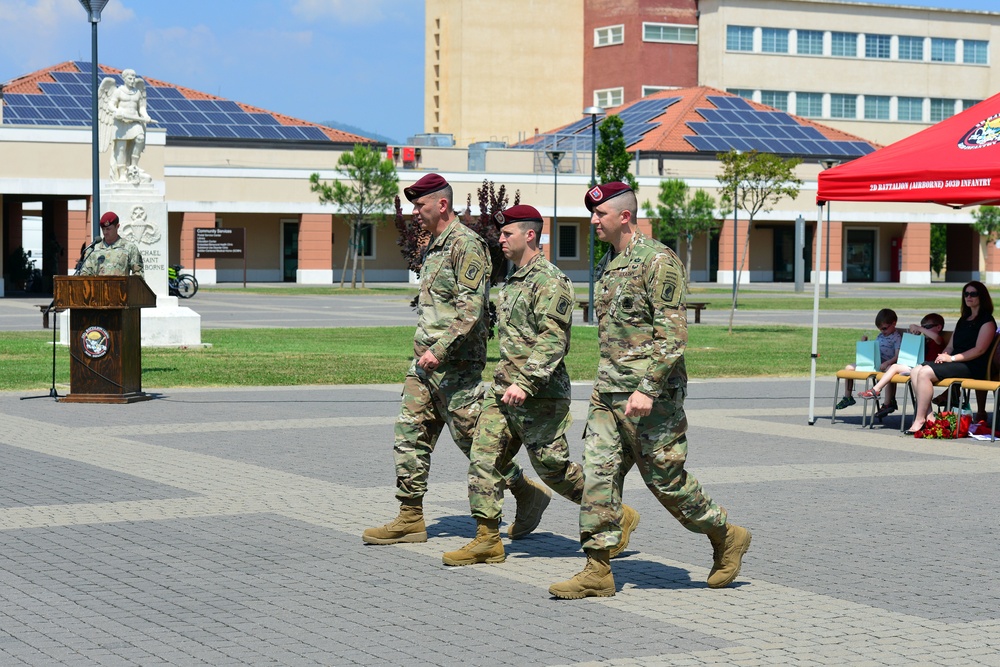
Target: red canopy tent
954,163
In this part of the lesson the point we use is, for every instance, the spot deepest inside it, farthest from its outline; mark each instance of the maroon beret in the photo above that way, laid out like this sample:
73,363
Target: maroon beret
109,218
426,185
604,192
519,213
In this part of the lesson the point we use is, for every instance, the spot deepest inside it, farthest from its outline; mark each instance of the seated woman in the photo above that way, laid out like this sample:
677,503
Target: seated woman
964,356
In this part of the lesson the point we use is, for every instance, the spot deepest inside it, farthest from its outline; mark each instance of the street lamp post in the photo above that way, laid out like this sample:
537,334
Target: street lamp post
556,157
828,164
593,113
94,9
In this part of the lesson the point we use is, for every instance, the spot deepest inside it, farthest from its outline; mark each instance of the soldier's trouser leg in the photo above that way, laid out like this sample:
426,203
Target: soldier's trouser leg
605,463
492,445
543,424
418,426
659,444
463,394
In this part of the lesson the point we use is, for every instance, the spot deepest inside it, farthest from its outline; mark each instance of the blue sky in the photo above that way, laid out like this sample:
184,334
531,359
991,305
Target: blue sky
359,62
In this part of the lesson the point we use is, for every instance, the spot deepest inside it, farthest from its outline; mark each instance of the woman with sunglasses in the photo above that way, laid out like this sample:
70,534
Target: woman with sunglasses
963,357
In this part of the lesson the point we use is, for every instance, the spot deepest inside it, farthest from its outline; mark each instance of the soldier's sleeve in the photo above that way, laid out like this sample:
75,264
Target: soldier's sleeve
471,265
553,311
665,289
135,261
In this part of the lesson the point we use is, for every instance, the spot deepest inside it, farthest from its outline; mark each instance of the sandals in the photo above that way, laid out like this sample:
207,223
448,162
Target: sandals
868,394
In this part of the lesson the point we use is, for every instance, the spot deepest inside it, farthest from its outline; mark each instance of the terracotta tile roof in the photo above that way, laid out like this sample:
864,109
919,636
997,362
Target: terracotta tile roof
672,124
29,85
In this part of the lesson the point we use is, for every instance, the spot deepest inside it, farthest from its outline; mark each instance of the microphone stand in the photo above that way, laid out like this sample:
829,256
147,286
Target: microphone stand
52,390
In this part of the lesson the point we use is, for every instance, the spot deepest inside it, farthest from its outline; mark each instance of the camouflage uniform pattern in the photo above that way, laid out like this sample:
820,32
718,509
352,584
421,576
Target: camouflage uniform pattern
534,315
118,259
451,323
642,335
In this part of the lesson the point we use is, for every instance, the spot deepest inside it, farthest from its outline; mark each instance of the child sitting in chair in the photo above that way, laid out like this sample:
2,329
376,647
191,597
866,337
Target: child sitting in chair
888,339
930,328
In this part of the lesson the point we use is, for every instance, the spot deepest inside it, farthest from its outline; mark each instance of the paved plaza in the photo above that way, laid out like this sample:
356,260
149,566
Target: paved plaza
222,527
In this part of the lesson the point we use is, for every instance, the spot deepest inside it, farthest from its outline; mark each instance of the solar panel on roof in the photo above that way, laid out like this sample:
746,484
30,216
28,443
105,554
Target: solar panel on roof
313,133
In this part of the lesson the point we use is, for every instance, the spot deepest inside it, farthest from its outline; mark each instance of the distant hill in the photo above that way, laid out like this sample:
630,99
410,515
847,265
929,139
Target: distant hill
343,127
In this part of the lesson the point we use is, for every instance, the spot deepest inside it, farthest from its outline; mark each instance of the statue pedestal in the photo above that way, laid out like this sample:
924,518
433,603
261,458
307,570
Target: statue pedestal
142,212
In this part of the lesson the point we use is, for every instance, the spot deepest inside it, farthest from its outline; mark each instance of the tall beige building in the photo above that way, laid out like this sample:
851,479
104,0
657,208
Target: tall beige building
502,71
881,72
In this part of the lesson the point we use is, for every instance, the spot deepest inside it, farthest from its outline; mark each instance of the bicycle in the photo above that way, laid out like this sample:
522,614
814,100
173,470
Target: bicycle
183,285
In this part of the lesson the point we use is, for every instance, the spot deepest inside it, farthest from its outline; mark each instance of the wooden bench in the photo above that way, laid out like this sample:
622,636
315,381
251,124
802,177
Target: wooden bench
697,306
47,308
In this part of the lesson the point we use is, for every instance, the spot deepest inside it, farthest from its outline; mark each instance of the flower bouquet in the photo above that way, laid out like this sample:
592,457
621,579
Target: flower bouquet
947,425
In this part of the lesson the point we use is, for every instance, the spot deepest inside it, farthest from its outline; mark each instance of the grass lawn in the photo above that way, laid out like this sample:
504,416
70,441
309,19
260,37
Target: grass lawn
380,355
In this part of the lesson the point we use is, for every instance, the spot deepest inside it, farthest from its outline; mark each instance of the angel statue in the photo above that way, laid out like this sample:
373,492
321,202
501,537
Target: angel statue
123,120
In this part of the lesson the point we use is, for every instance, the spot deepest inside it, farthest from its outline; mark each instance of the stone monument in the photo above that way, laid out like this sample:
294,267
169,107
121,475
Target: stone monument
141,206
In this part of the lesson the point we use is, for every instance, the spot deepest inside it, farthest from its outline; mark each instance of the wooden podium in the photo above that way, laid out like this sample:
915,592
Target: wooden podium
105,342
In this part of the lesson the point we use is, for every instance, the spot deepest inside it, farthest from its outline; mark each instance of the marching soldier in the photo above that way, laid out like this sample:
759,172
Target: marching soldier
444,383
637,408
529,400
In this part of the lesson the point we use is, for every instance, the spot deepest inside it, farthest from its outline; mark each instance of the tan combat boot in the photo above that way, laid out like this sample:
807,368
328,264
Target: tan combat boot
532,499
595,580
729,543
485,548
407,527
630,519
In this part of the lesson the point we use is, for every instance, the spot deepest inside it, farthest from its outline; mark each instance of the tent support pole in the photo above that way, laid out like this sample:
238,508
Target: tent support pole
815,334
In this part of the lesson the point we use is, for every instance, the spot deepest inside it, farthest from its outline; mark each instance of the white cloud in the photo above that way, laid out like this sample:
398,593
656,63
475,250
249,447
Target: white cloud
344,11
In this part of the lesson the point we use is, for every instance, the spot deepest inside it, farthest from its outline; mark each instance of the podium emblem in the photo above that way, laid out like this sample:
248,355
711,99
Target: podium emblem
95,342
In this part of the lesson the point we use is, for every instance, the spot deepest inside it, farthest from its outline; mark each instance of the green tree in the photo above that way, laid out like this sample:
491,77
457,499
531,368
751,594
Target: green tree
987,222
754,182
366,195
939,247
613,161
678,216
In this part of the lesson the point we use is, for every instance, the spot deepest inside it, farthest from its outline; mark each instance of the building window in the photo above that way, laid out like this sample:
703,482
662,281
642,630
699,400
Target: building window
910,108
609,97
674,34
975,52
614,34
968,104
649,90
911,48
366,240
568,242
942,50
739,38
745,93
843,106
775,98
809,105
810,42
877,107
941,109
774,40
844,44
878,46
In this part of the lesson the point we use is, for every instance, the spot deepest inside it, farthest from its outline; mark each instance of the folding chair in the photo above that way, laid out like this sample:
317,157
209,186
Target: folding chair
869,380
992,384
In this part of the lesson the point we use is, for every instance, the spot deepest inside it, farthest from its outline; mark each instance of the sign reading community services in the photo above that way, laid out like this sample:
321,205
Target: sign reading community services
212,243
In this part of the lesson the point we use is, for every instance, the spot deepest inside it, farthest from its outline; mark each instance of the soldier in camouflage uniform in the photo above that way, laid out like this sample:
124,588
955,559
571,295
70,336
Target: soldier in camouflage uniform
530,397
637,409
112,255
444,382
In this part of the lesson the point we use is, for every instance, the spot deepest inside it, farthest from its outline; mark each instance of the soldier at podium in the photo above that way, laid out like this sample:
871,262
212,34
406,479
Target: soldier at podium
112,255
